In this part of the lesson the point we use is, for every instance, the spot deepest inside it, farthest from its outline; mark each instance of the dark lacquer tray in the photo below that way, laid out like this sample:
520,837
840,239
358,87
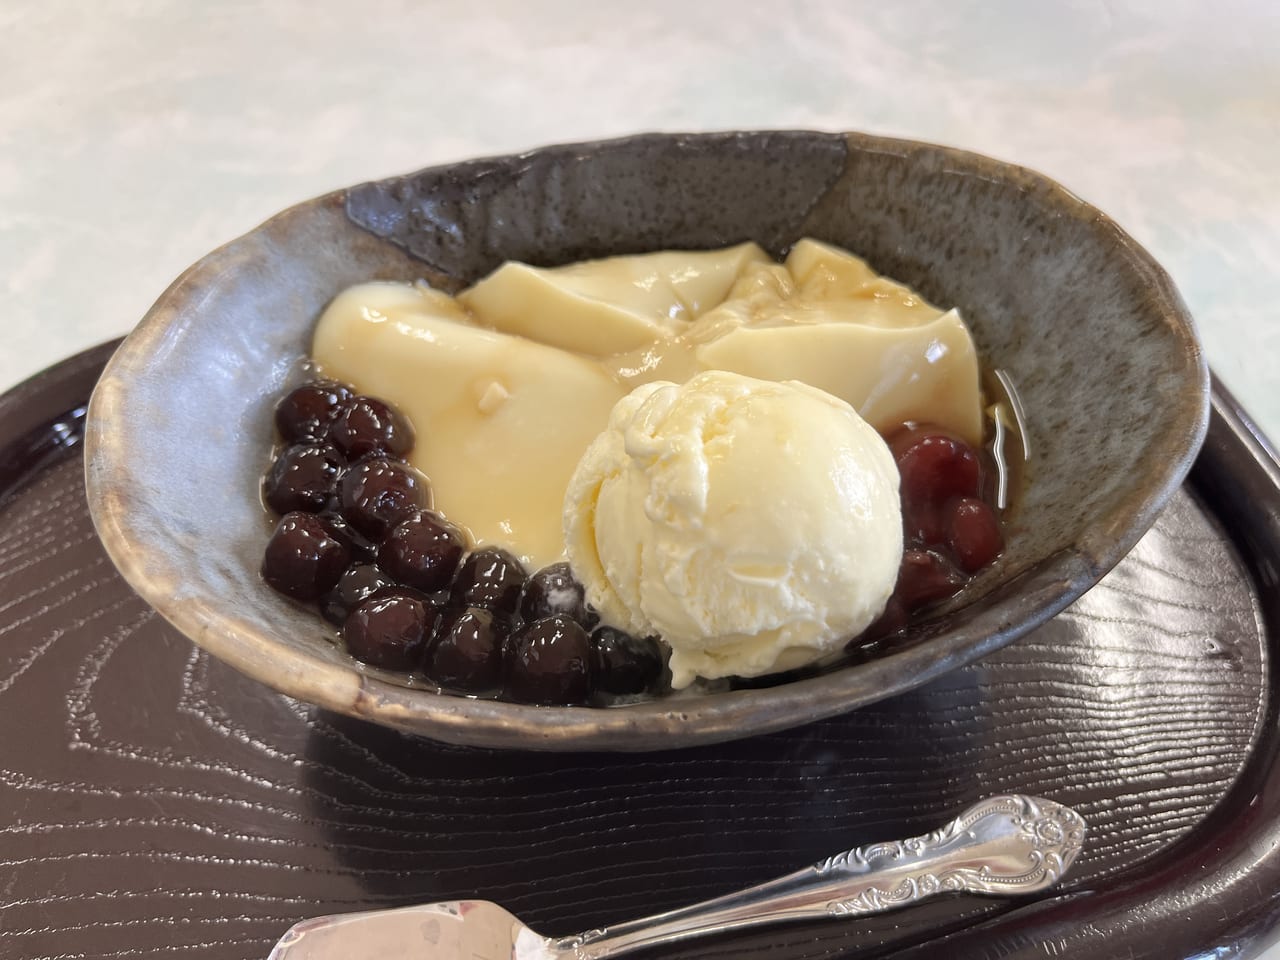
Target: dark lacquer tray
155,803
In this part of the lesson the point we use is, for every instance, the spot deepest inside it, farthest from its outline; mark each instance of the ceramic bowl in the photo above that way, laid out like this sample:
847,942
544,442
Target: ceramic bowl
1092,331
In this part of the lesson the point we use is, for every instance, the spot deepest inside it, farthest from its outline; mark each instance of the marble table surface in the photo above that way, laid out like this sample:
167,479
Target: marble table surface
137,135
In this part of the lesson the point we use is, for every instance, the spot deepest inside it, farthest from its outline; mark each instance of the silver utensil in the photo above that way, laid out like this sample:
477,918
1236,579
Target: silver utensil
1004,846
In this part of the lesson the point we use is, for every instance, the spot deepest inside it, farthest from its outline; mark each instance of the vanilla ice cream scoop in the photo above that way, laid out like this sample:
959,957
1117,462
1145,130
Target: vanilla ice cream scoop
755,526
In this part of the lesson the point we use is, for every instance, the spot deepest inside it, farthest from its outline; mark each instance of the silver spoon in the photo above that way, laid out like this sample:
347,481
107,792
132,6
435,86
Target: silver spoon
1005,846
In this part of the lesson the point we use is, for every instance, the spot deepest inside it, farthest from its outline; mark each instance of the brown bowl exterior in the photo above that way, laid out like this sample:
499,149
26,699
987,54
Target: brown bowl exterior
1092,331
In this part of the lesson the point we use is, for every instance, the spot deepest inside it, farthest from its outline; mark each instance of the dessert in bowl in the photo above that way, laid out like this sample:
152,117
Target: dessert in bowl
1112,383
600,437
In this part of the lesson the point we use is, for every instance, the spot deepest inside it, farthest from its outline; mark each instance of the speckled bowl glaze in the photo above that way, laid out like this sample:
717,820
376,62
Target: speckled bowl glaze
1089,327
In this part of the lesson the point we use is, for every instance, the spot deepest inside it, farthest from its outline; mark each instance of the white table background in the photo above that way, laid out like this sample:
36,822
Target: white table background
136,135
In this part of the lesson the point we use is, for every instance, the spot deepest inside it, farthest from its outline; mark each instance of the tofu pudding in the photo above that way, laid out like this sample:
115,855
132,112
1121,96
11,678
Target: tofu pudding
512,380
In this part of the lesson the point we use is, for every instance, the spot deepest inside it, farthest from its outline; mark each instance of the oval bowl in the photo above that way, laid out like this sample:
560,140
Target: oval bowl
1092,331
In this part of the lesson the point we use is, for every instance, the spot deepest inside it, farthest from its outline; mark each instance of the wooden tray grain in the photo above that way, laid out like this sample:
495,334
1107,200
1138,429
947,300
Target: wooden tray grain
155,803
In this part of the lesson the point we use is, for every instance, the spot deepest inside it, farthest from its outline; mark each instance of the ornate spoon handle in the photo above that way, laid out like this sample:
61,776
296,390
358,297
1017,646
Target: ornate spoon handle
1005,845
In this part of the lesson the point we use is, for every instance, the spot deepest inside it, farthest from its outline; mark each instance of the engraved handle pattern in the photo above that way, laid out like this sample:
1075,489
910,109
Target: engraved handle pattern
1004,845
1035,840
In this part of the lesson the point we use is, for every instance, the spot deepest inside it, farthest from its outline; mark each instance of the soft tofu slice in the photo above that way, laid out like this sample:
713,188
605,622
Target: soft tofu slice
816,263
925,373
605,307
843,328
828,278
501,421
